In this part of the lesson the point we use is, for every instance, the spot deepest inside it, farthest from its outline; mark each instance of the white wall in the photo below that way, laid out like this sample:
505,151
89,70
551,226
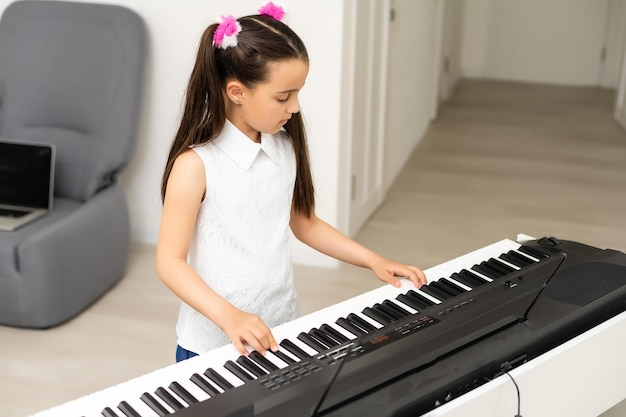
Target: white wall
174,29
475,38
620,105
412,82
548,41
450,65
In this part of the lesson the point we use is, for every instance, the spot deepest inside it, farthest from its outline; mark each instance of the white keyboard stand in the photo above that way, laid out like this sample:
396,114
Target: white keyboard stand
583,377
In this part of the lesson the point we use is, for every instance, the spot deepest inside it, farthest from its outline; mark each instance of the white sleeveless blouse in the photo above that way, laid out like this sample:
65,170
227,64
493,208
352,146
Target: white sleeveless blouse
240,245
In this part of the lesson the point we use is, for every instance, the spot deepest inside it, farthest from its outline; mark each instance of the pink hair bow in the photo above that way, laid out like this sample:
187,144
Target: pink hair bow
225,35
272,10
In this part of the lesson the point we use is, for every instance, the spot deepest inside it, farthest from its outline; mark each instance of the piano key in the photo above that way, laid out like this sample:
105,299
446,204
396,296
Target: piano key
218,379
362,323
312,342
420,299
283,356
405,299
238,372
390,315
349,333
293,348
468,278
394,309
251,366
486,270
228,375
451,286
516,259
498,263
107,412
349,326
155,405
131,404
459,283
128,410
497,268
431,290
399,304
334,333
535,253
264,362
192,388
303,346
446,288
380,317
183,393
327,340
205,385
168,398
482,276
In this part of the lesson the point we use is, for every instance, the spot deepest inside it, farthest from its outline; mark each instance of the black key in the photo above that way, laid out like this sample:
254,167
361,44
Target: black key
168,398
204,385
319,335
395,315
251,366
292,348
494,268
283,357
185,395
107,412
451,286
127,409
410,302
516,259
238,372
382,318
486,270
480,279
395,307
445,291
468,278
263,361
430,290
368,327
339,337
536,253
500,266
351,327
420,298
218,379
312,342
154,404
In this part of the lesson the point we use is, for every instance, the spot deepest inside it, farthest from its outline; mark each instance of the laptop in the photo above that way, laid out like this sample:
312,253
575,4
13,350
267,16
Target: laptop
26,182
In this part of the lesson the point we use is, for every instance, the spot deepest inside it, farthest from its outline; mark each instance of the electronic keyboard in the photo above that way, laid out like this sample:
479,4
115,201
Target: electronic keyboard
394,351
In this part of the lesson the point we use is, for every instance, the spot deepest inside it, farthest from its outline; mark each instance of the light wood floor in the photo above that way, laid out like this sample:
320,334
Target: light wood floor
500,159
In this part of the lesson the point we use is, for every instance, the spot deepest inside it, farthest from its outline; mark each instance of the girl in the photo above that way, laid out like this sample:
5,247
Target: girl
237,179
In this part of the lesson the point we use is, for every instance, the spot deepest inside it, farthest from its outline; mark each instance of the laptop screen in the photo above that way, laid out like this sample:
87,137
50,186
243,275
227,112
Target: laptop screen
26,174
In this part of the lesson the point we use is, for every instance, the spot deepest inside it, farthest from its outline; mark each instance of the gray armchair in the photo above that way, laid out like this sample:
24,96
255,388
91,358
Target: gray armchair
71,74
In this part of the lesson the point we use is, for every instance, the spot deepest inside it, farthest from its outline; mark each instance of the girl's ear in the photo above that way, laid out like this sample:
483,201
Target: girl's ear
235,91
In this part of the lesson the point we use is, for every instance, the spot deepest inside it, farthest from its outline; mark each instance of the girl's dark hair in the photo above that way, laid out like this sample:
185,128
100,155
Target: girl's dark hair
262,41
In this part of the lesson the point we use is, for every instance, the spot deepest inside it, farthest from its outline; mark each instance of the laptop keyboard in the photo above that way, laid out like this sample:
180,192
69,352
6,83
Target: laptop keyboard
13,213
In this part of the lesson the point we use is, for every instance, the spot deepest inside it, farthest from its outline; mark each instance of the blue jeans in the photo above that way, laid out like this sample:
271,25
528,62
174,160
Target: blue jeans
183,354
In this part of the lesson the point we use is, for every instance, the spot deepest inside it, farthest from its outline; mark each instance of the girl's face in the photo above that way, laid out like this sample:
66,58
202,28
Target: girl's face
268,106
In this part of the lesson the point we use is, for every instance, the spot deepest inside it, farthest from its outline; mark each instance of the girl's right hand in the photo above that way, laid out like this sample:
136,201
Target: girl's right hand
245,328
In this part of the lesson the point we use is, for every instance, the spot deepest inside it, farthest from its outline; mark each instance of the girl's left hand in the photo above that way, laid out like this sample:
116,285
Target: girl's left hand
389,272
